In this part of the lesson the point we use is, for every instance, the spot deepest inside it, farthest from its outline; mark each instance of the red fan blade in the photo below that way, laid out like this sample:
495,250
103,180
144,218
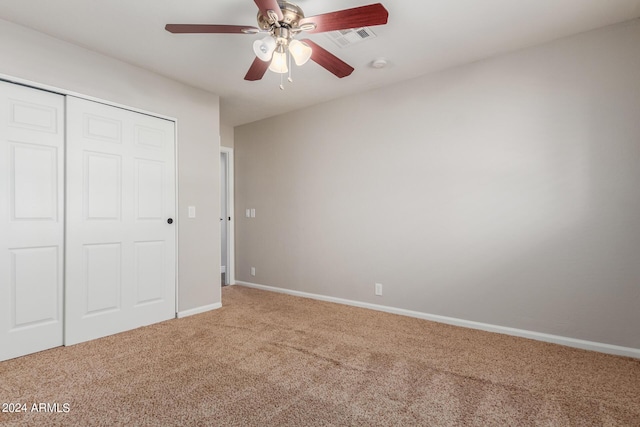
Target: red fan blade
204,28
363,16
265,5
328,60
257,70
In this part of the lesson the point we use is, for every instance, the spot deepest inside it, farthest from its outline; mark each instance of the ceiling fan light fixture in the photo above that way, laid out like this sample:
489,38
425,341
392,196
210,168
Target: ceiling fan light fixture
283,20
300,51
264,48
279,63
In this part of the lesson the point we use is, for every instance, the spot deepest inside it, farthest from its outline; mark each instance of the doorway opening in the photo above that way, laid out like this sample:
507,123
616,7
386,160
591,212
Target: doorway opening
227,250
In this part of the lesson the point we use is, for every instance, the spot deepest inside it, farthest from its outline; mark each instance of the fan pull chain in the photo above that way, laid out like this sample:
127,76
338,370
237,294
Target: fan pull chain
282,75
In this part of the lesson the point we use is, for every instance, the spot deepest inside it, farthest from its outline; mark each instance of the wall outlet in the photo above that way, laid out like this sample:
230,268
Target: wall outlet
253,271
379,289
192,211
253,213
248,213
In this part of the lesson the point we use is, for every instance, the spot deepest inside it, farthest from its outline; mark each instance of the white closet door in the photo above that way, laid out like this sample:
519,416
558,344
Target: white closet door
31,219
120,246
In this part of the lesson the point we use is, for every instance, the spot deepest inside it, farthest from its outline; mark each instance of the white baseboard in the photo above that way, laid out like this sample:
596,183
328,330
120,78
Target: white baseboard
539,336
199,310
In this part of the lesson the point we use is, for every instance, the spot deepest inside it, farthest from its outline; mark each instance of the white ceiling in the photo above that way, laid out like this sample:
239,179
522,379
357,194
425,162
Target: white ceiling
421,37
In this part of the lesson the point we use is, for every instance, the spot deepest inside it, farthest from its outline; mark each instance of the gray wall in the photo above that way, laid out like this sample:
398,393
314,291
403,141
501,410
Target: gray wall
226,135
505,192
34,56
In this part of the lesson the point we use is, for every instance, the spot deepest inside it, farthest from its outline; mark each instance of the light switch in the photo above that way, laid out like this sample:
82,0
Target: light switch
248,213
253,213
192,211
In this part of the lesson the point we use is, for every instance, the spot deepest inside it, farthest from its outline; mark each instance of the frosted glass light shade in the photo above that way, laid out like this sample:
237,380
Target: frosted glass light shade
300,51
264,48
279,63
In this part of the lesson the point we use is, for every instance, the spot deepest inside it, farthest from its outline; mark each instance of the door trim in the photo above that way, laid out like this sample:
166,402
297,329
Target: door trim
231,255
60,91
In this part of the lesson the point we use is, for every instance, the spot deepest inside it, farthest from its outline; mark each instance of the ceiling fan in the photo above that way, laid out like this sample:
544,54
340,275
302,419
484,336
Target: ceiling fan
282,22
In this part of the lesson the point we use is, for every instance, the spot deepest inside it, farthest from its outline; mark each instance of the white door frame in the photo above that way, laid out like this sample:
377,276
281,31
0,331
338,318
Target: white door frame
231,257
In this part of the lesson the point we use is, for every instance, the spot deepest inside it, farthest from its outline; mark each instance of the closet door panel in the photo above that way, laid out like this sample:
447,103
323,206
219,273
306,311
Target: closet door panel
121,248
31,220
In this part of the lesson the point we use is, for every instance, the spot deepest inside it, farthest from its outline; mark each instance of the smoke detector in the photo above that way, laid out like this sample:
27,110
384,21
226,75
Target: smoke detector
379,63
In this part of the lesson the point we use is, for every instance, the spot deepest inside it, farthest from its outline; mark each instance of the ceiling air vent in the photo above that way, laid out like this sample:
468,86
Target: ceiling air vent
344,38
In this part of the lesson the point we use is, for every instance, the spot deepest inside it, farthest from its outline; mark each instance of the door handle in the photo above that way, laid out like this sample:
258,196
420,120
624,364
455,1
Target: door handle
170,221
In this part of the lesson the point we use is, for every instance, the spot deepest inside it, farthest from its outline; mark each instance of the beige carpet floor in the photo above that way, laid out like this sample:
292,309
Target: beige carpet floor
268,359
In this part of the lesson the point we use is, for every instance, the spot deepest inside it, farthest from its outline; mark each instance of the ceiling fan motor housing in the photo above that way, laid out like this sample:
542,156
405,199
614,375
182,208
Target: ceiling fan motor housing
292,14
